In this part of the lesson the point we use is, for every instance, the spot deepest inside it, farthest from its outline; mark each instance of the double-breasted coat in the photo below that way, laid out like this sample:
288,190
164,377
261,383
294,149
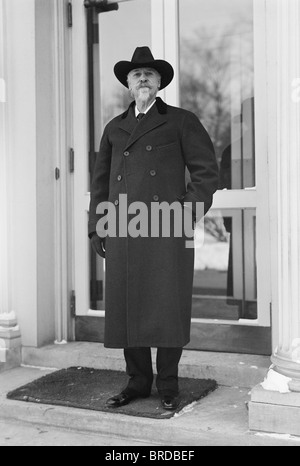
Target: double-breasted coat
149,279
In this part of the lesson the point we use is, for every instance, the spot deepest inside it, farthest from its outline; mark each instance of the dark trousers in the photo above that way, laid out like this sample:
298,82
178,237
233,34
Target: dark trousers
140,371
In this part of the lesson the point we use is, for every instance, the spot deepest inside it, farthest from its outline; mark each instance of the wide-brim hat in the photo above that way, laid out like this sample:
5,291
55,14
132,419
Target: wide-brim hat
143,58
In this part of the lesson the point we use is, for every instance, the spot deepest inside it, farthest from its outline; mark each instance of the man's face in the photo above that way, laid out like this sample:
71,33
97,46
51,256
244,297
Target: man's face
144,83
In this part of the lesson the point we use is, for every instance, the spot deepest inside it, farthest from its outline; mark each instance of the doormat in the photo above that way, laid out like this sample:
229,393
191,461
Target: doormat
86,388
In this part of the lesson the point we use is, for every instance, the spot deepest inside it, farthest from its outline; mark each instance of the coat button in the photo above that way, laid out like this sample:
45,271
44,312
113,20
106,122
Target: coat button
116,203
153,172
120,178
149,148
155,198
126,153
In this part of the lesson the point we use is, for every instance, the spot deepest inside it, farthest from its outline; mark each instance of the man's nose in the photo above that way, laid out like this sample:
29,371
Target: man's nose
143,78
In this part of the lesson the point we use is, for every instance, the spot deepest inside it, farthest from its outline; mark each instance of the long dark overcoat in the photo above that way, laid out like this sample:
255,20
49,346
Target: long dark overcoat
149,280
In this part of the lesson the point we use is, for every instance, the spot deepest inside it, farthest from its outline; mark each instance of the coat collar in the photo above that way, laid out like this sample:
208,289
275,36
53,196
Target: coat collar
154,118
160,104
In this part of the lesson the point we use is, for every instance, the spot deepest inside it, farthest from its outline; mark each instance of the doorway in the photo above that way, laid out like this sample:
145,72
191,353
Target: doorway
215,77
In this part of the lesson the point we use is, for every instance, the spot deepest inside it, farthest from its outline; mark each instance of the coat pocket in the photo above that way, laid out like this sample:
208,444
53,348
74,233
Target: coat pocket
165,147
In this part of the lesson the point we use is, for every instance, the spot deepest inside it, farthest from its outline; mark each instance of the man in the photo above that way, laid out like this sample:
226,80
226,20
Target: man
143,154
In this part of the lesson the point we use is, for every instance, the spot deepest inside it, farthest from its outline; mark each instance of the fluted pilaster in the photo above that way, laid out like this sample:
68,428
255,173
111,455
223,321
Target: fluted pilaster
9,330
287,354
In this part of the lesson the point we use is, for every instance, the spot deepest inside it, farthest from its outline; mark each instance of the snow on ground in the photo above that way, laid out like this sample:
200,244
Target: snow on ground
210,253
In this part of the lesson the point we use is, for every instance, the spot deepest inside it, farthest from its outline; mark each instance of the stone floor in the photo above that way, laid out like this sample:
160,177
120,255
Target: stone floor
219,419
13,433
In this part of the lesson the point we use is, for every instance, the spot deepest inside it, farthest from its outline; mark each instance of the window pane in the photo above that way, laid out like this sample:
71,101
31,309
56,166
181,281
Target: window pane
225,266
120,33
216,81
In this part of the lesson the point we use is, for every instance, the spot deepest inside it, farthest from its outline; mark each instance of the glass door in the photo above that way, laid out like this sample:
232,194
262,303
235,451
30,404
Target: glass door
113,43
217,67
214,49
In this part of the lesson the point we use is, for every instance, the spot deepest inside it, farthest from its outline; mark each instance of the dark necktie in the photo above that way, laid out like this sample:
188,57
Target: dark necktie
140,116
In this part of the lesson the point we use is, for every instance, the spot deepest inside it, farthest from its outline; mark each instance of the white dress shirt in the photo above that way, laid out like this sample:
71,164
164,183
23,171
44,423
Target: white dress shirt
137,112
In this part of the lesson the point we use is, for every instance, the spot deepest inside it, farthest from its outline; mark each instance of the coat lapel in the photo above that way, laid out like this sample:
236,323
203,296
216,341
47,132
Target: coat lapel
128,121
153,119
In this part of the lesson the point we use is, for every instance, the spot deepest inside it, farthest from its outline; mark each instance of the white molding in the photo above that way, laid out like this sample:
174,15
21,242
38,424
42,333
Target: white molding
62,266
92,313
271,130
263,253
81,147
5,273
158,33
235,199
171,45
245,322
165,42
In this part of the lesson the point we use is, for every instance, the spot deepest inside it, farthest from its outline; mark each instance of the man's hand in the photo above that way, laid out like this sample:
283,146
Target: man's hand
98,245
191,214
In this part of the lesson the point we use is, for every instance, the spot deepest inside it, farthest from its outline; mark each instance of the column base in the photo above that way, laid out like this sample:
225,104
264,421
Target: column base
10,343
274,412
289,368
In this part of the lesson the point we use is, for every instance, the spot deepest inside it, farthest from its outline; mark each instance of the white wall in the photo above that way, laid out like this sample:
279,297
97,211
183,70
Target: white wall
21,151
30,154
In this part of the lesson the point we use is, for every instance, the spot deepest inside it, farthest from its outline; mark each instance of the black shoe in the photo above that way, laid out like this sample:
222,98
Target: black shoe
170,402
123,399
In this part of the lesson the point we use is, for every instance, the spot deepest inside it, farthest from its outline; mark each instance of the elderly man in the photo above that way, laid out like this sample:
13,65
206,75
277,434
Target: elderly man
144,154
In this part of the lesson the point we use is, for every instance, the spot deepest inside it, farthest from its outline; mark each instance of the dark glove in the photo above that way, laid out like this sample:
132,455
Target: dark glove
192,215
98,245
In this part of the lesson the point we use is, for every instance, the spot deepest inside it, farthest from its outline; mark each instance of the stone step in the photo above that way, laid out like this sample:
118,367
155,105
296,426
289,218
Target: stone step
10,358
232,370
220,419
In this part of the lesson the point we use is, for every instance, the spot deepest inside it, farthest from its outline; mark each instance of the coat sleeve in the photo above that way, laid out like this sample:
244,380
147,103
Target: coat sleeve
100,181
200,159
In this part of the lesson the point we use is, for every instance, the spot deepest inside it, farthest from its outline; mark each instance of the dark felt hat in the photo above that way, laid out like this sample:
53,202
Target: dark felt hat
143,58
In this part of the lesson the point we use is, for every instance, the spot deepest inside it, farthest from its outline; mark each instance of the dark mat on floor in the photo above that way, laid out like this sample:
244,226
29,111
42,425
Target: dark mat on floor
86,388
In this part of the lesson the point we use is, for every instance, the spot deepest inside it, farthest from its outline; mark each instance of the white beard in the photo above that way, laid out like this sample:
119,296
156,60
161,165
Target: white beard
143,94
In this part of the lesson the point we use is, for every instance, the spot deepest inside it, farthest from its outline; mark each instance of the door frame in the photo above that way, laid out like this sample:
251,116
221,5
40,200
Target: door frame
165,46
64,205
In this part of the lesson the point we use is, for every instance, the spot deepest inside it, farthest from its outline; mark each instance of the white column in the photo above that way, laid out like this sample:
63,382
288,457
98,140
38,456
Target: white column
286,357
275,403
9,330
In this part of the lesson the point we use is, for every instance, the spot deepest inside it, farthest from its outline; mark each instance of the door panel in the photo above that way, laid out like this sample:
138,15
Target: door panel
205,336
